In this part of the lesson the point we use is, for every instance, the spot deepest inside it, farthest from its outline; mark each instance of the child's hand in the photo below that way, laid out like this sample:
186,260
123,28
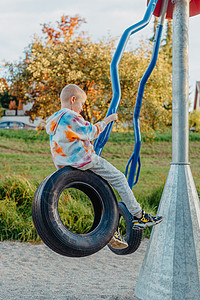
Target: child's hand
113,117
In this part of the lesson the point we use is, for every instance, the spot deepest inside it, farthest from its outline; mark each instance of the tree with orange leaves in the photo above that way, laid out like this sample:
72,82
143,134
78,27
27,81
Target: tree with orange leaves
65,55
66,29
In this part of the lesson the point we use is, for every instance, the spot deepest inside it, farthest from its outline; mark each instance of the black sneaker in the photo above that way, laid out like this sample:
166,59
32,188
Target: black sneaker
147,220
118,242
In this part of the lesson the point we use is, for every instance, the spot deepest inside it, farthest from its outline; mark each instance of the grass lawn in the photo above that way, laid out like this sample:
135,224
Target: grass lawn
27,153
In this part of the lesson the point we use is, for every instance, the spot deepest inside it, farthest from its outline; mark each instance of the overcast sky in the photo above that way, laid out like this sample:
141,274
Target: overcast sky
21,19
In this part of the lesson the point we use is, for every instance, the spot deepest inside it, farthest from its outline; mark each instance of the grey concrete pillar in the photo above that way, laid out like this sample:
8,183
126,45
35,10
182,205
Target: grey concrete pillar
171,267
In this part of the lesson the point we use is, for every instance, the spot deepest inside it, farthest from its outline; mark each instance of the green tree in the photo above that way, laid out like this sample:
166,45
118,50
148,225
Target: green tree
19,78
1,111
5,99
4,94
194,120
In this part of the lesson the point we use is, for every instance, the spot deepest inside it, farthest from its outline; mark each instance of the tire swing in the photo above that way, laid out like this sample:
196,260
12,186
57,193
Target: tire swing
47,220
131,236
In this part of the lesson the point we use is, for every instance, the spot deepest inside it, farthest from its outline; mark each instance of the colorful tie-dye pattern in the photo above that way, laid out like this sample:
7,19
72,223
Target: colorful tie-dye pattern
70,138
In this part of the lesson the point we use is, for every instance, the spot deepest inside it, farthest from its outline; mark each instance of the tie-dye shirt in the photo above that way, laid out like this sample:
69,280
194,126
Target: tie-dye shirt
70,138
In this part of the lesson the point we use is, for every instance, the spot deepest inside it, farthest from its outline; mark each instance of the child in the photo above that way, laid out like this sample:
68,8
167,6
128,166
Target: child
70,137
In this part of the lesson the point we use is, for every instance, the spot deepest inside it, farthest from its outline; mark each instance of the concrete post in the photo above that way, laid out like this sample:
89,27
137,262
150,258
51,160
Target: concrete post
171,267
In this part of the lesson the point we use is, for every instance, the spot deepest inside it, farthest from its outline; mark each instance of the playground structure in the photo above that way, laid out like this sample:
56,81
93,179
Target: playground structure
172,263
171,267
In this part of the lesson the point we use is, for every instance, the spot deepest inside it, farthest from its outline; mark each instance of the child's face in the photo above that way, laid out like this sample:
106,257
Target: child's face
78,103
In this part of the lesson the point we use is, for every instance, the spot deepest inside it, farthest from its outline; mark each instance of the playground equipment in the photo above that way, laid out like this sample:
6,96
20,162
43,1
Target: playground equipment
134,160
171,267
48,222
45,203
132,237
106,215
194,8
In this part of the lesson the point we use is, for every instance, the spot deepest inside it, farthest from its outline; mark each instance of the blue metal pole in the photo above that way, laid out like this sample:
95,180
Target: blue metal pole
103,137
134,159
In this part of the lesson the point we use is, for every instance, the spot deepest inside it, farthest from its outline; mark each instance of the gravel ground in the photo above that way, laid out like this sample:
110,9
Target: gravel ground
35,272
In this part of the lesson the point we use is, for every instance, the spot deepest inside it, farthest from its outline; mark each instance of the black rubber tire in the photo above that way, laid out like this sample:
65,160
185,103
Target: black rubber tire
49,225
132,237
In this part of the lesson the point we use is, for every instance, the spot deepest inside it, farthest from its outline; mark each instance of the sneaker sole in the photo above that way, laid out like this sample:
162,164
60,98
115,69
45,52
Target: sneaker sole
118,245
150,224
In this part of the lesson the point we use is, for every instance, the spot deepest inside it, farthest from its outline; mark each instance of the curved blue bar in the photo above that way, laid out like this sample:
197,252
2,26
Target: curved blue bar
103,137
134,159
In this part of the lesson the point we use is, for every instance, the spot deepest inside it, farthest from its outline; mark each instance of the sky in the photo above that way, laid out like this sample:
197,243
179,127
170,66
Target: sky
21,19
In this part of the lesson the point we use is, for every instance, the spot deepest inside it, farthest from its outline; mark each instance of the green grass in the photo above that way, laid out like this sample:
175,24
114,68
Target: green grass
25,135
16,194
76,210
117,137
26,161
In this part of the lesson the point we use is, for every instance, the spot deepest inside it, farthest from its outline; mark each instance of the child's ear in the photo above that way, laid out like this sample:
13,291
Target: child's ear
73,98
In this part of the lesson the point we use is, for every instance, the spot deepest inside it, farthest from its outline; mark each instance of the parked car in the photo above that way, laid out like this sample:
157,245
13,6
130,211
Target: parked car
15,125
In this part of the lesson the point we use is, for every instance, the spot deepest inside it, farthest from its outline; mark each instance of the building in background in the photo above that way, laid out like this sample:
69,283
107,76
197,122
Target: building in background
15,117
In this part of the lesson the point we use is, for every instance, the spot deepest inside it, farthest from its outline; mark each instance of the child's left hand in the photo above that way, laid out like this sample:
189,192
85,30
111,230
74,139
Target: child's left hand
111,118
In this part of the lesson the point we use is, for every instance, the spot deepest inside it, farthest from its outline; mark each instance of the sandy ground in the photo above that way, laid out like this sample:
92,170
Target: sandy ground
35,272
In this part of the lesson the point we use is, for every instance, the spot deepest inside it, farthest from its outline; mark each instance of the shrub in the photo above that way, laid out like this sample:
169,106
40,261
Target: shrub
194,120
16,194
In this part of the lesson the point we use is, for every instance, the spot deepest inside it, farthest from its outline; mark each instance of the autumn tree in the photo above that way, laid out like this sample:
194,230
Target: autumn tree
65,55
158,88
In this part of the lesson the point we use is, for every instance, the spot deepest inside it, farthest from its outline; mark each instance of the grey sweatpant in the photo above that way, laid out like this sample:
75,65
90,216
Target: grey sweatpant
118,181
